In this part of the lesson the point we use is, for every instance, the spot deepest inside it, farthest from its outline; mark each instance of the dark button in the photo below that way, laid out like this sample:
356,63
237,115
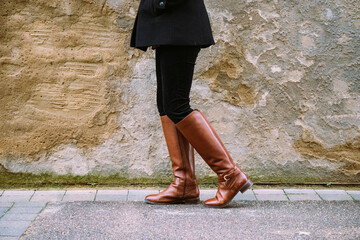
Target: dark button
161,4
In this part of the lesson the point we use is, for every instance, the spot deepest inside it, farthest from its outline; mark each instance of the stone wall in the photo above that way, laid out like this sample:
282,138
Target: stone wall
281,87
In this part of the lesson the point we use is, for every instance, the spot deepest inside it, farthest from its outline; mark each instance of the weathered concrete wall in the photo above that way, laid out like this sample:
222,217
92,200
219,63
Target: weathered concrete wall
281,87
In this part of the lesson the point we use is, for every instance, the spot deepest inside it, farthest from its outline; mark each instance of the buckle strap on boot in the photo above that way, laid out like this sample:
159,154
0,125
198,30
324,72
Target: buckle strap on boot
226,176
229,178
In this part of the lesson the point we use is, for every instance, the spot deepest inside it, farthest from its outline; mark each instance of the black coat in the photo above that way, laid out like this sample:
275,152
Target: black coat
171,22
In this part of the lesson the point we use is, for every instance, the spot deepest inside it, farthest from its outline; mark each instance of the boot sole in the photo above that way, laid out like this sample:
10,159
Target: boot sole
183,201
243,189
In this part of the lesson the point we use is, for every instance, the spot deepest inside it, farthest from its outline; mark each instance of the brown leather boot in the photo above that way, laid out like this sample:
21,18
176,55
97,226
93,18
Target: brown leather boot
198,131
184,188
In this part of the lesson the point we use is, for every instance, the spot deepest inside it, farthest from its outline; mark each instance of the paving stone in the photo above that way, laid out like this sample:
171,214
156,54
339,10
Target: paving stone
112,195
19,216
354,194
30,204
246,196
139,195
6,204
13,228
79,195
333,195
11,231
18,193
3,210
302,195
51,196
269,191
270,195
14,224
12,195
296,190
8,238
206,194
26,210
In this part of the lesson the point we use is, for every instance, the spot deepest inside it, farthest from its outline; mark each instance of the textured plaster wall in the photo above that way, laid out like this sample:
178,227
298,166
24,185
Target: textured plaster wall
281,87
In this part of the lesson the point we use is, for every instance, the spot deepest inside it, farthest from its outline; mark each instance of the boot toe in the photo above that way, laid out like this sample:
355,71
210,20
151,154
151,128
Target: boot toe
161,198
211,202
214,202
151,198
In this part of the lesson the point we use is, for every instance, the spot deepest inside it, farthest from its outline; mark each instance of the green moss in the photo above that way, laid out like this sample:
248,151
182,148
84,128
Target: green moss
46,180
287,179
10,180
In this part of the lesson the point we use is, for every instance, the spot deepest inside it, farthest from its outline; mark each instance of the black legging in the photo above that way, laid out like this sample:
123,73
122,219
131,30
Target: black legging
174,73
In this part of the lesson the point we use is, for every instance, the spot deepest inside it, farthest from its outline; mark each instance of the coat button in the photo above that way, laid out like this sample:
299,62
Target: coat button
161,4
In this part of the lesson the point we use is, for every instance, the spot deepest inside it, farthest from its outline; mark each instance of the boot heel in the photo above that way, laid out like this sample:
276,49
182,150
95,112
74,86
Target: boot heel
246,186
192,201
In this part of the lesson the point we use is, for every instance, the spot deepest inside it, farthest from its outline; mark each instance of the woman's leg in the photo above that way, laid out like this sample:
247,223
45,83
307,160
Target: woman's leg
184,188
159,90
177,68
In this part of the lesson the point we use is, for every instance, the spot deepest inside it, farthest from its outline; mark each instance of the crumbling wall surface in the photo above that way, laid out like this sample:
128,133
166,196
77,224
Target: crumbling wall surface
281,86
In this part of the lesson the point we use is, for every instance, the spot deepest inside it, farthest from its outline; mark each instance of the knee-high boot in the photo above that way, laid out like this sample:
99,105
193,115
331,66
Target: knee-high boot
198,131
184,188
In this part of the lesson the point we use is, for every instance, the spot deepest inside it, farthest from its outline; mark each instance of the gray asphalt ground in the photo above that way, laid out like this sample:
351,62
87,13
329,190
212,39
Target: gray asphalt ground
240,220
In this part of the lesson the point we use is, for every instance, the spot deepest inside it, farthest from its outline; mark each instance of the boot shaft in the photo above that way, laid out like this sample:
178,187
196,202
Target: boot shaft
181,153
198,131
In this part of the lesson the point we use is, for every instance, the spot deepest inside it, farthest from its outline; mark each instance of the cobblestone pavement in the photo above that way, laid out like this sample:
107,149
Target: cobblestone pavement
21,211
